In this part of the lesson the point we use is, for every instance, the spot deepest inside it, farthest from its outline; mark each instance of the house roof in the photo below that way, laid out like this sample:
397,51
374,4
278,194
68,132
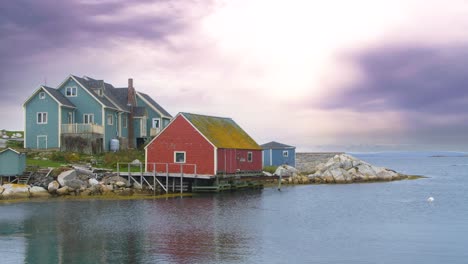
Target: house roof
10,149
59,96
155,105
90,84
276,145
139,111
121,95
222,132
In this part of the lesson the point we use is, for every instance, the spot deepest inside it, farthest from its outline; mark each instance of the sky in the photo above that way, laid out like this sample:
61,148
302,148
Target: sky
322,75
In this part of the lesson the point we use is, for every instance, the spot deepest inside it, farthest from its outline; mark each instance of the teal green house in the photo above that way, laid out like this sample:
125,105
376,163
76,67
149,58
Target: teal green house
88,115
12,162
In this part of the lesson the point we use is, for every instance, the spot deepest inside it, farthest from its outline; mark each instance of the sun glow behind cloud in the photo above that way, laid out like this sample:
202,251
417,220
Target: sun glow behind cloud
302,72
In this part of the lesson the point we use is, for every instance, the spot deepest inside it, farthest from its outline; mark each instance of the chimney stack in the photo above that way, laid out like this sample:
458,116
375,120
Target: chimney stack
131,103
131,93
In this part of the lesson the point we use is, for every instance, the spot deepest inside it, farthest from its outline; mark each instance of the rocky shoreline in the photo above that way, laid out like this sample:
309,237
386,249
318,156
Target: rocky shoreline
340,169
71,182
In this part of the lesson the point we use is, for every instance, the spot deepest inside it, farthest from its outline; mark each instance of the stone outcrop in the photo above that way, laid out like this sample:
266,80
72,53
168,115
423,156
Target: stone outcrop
344,168
306,162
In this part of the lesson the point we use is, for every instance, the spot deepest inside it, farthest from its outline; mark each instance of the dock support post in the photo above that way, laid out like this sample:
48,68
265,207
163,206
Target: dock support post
167,178
181,179
141,174
279,182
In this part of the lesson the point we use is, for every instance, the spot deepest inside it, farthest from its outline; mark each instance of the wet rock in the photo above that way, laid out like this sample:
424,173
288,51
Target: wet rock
15,191
63,191
37,191
53,187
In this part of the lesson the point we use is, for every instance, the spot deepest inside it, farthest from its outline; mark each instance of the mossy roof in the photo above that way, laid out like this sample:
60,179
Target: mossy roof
222,132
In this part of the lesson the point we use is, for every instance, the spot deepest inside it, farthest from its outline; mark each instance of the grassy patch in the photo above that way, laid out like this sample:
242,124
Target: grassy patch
43,163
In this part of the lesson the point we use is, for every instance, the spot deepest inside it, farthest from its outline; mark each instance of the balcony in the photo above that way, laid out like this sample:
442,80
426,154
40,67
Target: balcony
154,131
82,129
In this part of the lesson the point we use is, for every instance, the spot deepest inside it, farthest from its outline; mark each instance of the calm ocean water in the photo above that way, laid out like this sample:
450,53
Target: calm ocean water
354,223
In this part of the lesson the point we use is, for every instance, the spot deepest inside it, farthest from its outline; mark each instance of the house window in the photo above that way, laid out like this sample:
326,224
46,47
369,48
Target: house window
110,120
156,122
70,118
285,153
70,91
99,92
42,118
124,121
88,118
41,95
179,156
249,156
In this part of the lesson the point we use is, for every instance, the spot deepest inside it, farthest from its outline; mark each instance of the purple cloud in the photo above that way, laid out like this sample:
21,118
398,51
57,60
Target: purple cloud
408,78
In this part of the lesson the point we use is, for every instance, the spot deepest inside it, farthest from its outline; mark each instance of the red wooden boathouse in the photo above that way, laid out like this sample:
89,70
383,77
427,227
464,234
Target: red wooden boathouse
205,146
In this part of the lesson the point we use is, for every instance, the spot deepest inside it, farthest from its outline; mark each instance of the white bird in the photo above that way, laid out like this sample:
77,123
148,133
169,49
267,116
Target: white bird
430,199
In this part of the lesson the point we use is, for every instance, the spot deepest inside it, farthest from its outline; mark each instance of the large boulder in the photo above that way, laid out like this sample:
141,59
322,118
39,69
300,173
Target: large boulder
114,180
37,191
93,182
53,186
66,176
75,184
15,191
63,191
286,171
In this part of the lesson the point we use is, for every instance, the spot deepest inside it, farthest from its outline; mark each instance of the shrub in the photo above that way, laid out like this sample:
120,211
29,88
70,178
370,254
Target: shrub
270,169
111,159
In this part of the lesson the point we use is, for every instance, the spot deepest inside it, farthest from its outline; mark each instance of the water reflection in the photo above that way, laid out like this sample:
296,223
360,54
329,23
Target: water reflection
205,229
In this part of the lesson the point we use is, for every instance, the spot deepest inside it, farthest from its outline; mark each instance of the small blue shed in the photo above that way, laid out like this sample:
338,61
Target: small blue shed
12,162
276,154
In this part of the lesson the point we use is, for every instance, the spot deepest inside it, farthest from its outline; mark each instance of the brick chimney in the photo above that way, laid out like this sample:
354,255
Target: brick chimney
131,93
131,103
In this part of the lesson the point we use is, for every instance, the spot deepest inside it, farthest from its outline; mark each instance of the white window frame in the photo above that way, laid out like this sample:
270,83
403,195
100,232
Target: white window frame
99,92
285,154
250,156
110,118
143,127
70,118
42,95
88,121
40,118
125,121
180,152
159,122
71,91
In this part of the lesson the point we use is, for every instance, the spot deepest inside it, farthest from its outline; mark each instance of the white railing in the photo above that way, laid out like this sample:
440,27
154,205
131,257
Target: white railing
154,131
82,129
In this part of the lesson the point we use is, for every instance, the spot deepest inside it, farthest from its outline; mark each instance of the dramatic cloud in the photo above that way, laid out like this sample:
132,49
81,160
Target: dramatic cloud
408,77
322,75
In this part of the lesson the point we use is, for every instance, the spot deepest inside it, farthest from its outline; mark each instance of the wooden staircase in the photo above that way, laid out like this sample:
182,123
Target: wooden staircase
24,179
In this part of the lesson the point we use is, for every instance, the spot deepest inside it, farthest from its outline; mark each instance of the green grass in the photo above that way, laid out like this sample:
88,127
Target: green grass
43,163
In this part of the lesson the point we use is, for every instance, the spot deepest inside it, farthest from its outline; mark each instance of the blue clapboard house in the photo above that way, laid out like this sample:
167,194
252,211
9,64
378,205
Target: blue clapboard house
88,115
276,154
